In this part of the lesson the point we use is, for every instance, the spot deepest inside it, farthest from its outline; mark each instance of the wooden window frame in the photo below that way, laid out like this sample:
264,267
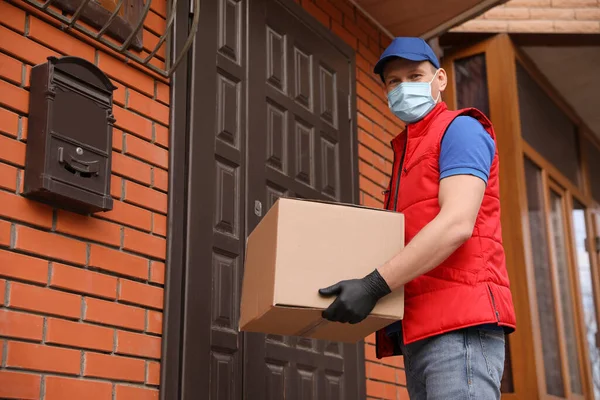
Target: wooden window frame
120,28
525,346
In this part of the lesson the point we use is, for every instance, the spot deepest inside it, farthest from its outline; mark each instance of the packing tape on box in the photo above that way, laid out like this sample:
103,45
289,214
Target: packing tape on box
310,328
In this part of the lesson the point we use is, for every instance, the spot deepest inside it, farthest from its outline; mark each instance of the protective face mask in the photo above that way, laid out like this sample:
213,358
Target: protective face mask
411,101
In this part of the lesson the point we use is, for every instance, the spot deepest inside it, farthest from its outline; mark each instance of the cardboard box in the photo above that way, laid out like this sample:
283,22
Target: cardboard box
301,246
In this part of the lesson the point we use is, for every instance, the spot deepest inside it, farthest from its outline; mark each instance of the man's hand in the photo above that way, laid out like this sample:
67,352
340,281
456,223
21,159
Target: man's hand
356,298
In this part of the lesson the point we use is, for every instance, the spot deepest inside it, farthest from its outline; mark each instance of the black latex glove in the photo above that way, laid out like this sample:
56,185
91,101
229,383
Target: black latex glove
356,298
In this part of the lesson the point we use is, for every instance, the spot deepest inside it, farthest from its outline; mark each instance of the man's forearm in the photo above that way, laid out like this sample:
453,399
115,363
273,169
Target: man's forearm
429,248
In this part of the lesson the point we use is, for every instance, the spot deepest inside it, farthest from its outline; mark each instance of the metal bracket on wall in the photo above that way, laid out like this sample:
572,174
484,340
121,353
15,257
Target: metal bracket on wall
73,22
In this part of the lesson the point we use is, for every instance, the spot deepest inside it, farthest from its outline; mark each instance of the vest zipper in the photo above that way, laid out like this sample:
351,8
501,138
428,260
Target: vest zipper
494,304
400,172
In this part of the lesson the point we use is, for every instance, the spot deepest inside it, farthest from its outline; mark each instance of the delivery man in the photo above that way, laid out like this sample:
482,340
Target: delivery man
458,304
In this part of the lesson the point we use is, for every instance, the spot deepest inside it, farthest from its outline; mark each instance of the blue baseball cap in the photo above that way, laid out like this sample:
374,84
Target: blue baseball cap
410,48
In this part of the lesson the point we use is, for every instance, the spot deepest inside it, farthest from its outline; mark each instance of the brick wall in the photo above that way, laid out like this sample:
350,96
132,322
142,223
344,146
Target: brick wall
538,16
376,127
81,298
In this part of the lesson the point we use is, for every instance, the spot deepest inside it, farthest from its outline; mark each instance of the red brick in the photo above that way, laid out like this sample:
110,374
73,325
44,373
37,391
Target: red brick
381,372
8,177
163,92
20,325
83,281
115,314
139,393
50,245
353,28
157,272
375,145
316,12
160,224
368,27
330,9
11,69
134,123
372,202
131,168
44,300
145,197
2,297
136,344
155,23
381,390
371,188
146,151
150,108
155,322
373,175
114,367
141,293
344,34
43,358
530,3
144,243
117,140
118,262
22,267
11,150
14,97
4,238
488,25
59,388
12,17
88,228
119,94
58,40
76,334
346,7
153,373
18,385
116,184
23,48
161,179
162,135
125,73
9,124
127,214
24,127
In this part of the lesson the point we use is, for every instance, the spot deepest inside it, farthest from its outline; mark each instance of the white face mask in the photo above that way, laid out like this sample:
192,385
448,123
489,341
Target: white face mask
411,101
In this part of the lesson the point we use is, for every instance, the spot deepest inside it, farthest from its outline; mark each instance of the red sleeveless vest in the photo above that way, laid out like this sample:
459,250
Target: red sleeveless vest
471,287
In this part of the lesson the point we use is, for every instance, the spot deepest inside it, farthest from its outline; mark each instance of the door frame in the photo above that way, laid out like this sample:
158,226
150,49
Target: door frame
173,377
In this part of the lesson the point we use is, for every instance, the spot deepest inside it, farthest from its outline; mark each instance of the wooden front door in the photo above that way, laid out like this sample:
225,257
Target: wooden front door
261,108
300,144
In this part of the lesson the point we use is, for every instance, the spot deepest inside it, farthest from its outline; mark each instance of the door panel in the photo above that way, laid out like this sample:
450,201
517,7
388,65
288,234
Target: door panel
299,145
215,237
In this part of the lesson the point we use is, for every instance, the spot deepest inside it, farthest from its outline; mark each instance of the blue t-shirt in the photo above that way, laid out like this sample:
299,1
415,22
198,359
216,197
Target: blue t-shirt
466,149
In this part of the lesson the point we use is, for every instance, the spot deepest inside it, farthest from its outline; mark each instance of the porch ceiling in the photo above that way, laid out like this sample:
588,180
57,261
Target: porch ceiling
423,18
573,71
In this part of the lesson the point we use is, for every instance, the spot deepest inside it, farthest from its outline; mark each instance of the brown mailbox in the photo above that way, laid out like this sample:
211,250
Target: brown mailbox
69,141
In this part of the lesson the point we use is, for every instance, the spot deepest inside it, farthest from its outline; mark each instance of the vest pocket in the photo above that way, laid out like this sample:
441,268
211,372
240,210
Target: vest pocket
413,163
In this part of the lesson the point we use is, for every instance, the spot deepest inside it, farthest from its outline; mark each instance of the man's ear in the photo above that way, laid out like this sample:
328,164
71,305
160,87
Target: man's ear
442,78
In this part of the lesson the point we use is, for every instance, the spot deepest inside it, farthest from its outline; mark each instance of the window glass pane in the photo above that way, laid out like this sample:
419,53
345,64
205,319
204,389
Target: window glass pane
543,281
471,83
593,162
559,247
546,128
587,291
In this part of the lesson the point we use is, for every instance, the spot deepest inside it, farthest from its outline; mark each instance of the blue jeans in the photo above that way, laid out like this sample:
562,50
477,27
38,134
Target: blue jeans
461,365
